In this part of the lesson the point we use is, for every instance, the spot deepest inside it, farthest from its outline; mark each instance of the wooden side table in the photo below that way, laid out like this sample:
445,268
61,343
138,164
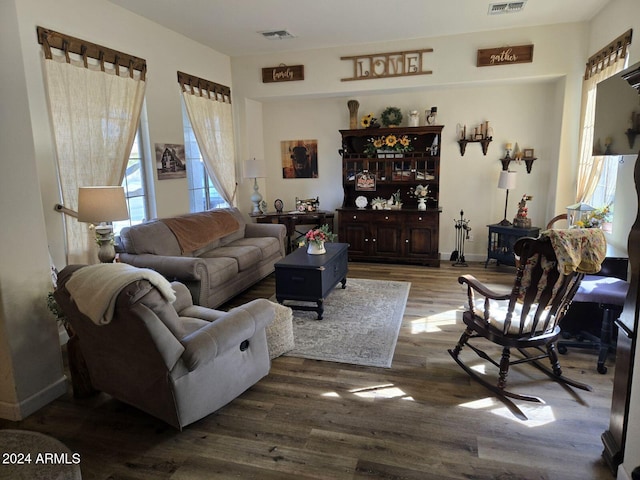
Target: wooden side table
292,219
501,241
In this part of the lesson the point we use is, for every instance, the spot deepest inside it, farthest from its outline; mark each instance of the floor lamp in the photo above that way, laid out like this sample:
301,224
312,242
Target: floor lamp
255,169
100,206
506,182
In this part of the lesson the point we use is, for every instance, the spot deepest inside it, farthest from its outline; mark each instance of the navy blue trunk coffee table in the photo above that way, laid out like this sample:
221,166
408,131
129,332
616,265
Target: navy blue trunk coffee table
302,277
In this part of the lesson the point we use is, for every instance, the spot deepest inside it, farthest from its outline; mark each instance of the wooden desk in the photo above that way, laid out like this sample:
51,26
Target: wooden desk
292,219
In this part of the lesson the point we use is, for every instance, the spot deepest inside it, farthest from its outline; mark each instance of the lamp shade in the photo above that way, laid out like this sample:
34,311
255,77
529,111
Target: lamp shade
102,204
507,180
255,168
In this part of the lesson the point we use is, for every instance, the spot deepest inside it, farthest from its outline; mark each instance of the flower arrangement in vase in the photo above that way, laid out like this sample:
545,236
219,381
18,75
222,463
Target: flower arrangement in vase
369,121
390,143
316,238
421,193
596,218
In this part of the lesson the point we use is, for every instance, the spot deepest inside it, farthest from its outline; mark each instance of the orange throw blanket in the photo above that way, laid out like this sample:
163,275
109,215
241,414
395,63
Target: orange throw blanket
195,230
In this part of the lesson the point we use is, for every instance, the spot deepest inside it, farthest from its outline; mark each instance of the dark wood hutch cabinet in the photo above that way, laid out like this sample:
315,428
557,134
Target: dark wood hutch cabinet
404,235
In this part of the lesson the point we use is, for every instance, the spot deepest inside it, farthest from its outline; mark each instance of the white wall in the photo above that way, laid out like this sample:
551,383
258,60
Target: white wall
468,182
30,361
532,104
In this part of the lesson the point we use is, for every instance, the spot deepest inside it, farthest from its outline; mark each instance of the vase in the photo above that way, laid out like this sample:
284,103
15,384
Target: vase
353,113
314,249
422,203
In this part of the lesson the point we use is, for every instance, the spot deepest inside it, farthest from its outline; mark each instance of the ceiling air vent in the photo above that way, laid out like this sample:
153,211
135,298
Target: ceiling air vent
277,35
506,7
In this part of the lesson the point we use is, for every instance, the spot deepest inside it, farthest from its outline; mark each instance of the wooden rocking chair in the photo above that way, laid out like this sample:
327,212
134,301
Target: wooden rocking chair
527,319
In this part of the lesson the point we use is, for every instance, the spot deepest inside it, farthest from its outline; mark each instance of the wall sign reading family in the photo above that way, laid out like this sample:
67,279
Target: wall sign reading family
490,57
282,73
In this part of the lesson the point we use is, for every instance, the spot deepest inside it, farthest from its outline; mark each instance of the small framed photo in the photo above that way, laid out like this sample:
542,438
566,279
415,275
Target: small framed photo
366,181
528,153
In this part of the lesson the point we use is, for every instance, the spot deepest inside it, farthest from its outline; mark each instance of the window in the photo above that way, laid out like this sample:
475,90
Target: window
134,187
202,194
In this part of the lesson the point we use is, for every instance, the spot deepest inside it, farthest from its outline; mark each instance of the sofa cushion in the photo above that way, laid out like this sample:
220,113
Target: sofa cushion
246,256
152,237
269,246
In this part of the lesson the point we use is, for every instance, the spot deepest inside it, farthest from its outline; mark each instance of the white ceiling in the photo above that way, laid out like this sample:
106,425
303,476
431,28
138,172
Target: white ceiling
231,26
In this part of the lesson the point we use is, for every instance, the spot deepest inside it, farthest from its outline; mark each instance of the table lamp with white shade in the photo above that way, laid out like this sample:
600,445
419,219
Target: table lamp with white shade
255,169
507,181
100,206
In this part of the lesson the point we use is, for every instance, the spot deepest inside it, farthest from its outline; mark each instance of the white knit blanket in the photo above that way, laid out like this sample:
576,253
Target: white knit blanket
94,288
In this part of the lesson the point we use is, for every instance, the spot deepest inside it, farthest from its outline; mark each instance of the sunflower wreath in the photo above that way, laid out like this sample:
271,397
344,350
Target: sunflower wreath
391,116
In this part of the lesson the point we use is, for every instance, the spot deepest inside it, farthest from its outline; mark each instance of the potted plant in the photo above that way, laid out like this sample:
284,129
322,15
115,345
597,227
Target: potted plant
316,238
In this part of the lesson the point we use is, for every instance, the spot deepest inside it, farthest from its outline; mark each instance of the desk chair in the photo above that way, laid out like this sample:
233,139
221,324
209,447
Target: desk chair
608,289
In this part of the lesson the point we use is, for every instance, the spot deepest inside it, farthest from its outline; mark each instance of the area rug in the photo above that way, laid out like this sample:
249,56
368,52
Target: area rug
360,325
35,456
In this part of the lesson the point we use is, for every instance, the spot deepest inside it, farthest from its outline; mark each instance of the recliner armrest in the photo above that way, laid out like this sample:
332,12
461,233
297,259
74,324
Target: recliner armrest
238,325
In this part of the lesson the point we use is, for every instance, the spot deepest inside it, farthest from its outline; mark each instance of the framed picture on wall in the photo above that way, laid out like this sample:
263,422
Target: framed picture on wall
170,161
528,153
299,158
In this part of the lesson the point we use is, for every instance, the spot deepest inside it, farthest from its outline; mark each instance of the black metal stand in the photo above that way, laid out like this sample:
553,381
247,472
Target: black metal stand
462,233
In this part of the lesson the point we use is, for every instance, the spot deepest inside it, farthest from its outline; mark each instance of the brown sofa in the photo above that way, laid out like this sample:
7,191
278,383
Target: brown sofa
175,361
216,254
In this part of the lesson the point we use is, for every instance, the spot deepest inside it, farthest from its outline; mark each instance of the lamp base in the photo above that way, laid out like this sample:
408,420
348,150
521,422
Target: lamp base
104,237
256,198
505,223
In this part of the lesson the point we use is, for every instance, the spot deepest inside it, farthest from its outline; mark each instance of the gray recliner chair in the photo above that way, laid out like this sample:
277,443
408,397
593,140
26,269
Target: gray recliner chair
178,362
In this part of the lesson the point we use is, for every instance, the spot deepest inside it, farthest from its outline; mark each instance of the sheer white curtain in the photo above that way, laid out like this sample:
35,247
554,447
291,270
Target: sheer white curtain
94,115
609,63
212,123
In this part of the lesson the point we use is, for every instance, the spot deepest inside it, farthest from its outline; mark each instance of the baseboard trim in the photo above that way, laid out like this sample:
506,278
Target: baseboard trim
471,257
21,410
622,474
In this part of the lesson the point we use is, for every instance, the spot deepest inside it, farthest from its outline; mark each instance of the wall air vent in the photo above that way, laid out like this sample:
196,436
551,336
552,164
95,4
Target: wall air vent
277,34
506,7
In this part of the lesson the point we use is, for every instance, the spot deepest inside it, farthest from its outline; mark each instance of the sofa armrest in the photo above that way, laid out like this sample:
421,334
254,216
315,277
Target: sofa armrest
179,268
238,325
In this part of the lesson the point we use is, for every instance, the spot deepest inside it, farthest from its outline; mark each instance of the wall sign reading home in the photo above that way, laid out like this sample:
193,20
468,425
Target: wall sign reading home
385,65
282,73
490,57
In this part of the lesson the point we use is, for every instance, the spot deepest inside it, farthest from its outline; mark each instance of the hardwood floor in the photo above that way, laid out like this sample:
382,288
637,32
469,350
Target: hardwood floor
421,419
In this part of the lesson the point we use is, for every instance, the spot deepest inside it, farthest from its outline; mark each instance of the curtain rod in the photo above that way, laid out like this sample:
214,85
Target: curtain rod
602,58
52,39
185,80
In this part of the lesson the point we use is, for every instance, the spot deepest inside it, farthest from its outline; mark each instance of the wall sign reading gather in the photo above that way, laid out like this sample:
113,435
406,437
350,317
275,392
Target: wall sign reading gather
490,57
282,73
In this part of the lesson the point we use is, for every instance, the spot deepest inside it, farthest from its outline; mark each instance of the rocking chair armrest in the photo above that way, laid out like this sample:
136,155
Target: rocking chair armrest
473,284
